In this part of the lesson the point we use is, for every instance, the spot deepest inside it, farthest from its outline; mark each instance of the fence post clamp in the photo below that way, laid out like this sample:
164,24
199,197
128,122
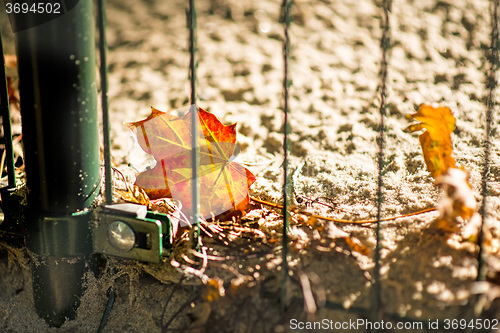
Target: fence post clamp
130,231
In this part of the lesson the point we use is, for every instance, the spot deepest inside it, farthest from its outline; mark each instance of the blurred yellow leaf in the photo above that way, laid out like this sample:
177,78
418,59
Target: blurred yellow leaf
457,200
214,289
333,232
357,246
315,223
438,122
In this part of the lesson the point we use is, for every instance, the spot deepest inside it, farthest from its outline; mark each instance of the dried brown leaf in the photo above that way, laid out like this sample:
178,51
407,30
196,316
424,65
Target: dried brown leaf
357,246
334,232
133,195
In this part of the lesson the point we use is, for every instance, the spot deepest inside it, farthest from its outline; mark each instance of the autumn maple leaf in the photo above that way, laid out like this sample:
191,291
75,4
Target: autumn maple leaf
223,183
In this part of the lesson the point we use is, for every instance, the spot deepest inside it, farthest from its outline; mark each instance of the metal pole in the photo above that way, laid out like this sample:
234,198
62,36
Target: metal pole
59,118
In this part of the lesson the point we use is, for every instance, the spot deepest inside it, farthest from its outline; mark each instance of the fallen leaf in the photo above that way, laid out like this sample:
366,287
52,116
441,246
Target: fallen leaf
357,246
315,223
299,237
133,195
12,91
471,230
214,289
438,122
457,200
334,232
223,184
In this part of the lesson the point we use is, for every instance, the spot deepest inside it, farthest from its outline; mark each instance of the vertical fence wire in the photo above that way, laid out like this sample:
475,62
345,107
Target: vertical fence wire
108,185
384,45
7,128
192,49
286,11
195,190
491,84
101,21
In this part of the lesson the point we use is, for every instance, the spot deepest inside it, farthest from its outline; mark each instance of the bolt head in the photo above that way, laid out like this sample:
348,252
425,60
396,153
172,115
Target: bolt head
121,236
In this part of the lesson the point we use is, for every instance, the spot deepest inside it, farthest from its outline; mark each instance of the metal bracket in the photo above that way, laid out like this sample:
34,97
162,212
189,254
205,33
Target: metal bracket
123,230
61,236
129,231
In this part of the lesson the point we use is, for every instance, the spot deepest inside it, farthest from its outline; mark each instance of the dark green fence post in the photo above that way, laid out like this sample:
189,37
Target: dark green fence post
60,134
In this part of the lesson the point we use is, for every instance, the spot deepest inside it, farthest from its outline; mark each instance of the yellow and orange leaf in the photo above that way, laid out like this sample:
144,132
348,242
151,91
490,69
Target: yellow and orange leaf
214,290
457,199
438,122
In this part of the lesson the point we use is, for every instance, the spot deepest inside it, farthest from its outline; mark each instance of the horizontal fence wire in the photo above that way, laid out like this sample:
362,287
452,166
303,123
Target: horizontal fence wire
491,85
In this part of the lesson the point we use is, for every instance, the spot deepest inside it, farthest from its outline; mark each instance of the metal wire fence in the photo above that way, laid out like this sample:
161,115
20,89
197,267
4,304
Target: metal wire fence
385,44
377,313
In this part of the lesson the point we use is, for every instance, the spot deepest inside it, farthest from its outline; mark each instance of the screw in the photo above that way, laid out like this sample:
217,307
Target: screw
121,236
